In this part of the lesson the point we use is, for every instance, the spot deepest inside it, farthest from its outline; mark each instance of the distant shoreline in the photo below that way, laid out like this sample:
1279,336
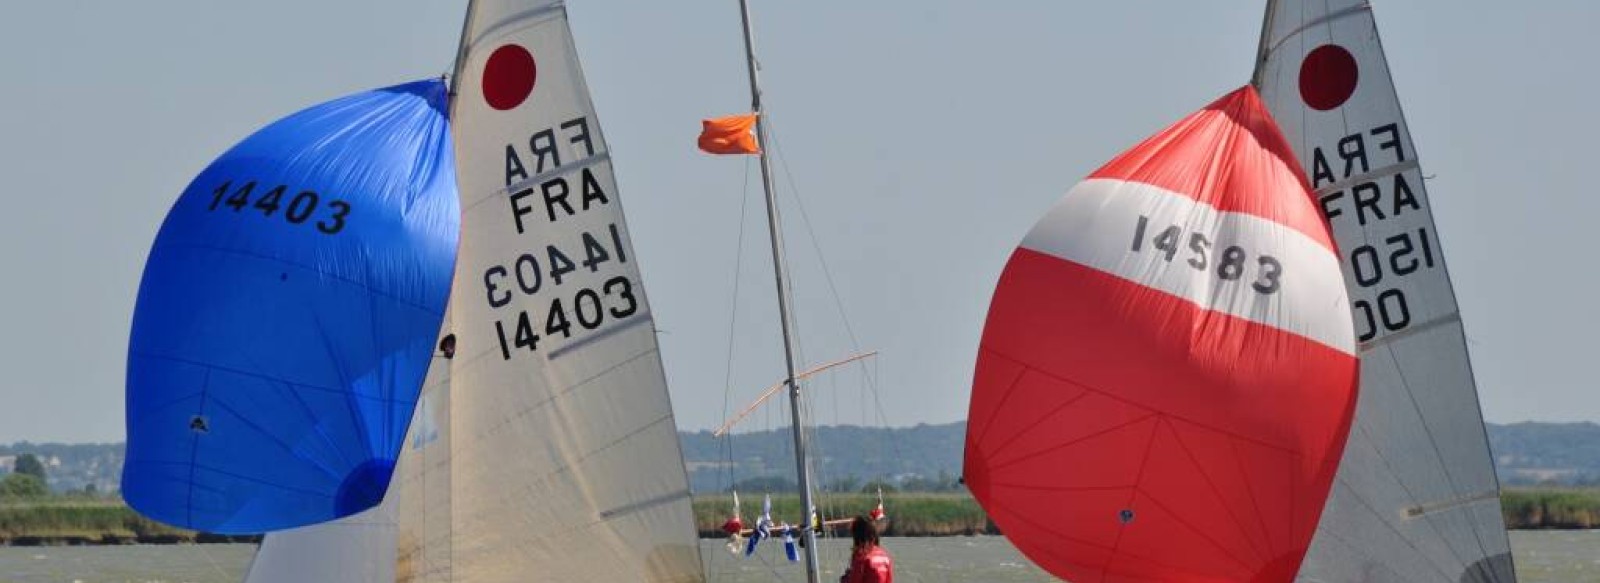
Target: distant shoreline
93,523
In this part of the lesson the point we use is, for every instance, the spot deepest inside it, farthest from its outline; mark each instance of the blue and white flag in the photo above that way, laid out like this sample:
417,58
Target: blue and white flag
763,527
789,549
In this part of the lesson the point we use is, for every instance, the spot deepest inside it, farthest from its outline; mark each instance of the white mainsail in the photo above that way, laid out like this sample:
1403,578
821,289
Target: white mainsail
359,547
1416,498
565,457
405,538
421,495
552,454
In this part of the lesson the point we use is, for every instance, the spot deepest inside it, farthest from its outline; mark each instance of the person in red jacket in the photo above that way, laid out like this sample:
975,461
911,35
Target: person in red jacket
869,563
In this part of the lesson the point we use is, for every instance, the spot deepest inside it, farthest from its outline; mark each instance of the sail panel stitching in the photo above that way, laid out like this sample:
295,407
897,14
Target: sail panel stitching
1022,369
1237,523
1450,318
645,504
1328,18
1411,496
1122,399
596,337
542,12
1434,443
1383,172
537,179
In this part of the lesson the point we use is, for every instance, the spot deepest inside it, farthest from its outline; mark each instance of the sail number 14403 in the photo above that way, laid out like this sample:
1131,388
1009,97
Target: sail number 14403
588,309
303,206
1229,263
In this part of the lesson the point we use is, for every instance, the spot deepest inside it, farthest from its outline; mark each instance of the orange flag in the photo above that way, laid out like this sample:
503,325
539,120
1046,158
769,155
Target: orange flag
729,135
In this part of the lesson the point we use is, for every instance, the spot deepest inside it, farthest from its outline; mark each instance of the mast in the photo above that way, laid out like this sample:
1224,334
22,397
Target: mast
778,269
1266,45
461,56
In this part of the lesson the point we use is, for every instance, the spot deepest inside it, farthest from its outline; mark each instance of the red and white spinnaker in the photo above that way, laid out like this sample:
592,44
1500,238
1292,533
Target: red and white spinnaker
1168,371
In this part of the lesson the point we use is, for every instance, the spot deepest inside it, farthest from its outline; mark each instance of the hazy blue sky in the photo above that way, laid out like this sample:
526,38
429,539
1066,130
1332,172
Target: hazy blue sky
925,136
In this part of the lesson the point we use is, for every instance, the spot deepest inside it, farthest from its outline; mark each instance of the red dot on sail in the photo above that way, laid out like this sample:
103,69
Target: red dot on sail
508,77
1328,77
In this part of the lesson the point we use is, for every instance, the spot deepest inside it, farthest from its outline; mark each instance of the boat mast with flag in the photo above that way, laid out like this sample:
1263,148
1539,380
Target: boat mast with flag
731,135
1416,498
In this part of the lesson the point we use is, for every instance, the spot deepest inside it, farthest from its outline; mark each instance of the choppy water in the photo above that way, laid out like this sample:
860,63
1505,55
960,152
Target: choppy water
1541,556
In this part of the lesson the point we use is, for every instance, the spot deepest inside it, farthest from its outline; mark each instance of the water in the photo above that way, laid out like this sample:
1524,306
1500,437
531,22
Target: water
1542,557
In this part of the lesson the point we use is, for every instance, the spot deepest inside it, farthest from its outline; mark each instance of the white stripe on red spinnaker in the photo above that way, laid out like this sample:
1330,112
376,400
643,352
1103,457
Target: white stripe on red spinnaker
1096,222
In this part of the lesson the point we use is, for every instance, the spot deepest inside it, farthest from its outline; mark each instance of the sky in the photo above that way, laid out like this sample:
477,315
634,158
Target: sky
922,137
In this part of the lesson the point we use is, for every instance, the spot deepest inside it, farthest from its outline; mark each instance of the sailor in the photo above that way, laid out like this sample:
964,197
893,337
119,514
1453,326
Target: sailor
869,563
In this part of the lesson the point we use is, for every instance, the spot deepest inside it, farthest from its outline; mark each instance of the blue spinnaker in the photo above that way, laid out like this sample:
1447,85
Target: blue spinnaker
288,313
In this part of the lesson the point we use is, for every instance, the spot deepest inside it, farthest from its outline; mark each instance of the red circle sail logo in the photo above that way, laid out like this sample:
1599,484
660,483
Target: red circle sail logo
1328,77
508,77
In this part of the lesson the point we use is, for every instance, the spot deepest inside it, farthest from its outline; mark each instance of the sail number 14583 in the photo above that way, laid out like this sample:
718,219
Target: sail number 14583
1230,264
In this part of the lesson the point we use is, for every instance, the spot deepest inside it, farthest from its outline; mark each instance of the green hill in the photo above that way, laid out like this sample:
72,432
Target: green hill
923,457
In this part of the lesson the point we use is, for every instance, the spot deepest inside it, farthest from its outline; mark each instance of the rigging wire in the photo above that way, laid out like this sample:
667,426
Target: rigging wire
729,469
733,319
808,407
827,272
869,380
829,506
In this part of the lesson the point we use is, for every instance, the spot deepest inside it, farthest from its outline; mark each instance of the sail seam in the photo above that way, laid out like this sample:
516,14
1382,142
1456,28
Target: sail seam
352,398
1250,490
1400,535
1395,475
1040,421
552,398
1061,488
596,337
326,275
580,459
1450,318
1384,172
644,504
1133,494
513,19
1059,446
1127,401
1302,577
194,450
263,377
1177,517
535,180
1022,370
305,408
1237,523
1023,516
1328,18
1450,504
1434,443
287,448
203,467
